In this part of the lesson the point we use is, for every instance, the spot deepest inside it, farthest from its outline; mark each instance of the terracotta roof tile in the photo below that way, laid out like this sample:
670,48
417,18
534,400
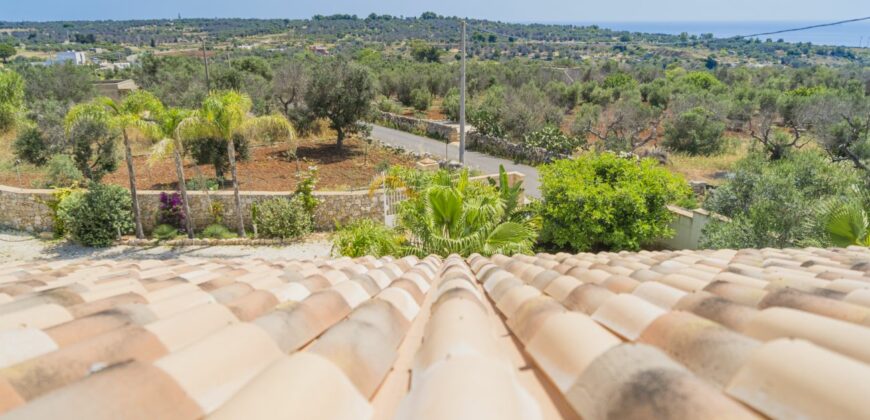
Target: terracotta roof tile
638,381
130,390
795,379
213,369
304,386
653,334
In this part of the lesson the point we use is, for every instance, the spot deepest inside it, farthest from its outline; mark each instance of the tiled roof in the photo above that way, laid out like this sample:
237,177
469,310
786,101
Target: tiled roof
688,335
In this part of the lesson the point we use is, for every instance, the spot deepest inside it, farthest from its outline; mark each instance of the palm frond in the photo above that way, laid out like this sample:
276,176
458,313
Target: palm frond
140,102
847,225
88,111
163,149
195,127
275,127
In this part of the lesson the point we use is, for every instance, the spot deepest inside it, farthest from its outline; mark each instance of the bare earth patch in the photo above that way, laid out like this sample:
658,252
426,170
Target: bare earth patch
268,169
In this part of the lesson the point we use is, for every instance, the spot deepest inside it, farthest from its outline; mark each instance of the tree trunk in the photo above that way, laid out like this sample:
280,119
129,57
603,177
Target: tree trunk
340,140
182,185
231,154
137,214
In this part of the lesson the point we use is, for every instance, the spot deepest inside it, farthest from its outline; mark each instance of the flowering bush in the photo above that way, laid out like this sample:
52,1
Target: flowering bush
171,210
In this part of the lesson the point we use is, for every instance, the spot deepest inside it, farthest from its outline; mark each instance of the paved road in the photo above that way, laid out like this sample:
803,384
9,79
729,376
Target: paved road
485,163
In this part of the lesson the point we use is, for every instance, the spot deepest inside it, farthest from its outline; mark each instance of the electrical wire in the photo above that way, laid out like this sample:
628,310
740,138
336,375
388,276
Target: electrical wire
803,28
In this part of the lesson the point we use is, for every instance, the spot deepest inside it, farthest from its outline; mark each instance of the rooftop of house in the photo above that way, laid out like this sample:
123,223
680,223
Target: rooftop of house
120,84
683,334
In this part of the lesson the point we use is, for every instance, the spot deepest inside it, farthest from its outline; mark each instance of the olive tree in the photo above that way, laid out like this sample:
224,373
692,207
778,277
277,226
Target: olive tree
341,92
626,126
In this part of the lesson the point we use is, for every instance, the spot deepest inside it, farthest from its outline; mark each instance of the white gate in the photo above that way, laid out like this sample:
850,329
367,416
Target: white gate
392,198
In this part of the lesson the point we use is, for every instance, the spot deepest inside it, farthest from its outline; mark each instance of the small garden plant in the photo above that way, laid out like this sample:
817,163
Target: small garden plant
366,237
165,232
216,231
171,211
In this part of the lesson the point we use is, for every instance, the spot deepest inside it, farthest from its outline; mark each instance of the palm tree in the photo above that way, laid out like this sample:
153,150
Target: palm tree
452,216
846,220
123,116
165,131
225,115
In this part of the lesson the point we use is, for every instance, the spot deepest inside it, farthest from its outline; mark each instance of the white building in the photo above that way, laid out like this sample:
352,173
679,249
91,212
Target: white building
78,58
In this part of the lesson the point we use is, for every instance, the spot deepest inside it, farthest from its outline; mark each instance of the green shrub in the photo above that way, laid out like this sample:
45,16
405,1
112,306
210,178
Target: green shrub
98,216
283,218
165,232
305,190
696,132
11,99
553,140
94,148
216,209
210,151
388,105
421,99
450,104
771,203
30,146
62,172
366,237
62,200
216,231
606,202
201,183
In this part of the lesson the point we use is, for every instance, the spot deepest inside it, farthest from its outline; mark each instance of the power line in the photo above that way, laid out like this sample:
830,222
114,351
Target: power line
803,28
682,42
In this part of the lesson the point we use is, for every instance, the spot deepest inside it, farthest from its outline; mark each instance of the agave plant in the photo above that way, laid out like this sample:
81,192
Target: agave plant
846,221
453,215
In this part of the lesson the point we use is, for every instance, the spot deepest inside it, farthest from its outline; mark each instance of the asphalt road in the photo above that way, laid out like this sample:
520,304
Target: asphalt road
482,162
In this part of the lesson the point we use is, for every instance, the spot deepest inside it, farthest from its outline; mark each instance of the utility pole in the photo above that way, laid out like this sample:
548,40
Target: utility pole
205,59
462,102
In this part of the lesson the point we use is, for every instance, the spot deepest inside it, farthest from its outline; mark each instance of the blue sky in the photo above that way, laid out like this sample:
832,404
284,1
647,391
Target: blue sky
506,10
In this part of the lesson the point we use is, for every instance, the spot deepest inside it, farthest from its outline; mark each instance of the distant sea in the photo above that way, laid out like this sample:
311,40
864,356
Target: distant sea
849,34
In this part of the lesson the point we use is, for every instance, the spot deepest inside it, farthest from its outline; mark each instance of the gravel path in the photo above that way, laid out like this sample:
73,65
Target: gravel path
19,246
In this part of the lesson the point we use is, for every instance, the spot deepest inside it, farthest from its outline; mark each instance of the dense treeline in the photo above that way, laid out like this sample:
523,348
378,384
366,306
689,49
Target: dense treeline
488,39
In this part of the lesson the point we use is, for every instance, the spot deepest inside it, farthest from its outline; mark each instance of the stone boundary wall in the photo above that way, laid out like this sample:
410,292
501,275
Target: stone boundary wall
437,129
25,209
497,146
478,142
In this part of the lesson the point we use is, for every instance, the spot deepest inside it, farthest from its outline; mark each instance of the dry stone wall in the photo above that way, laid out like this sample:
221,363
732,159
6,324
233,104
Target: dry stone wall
440,130
25,209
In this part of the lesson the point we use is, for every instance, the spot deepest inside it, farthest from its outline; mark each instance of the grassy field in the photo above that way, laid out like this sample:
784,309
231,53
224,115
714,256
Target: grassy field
710,169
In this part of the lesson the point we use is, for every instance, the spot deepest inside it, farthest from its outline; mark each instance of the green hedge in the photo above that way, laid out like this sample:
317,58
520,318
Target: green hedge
608,202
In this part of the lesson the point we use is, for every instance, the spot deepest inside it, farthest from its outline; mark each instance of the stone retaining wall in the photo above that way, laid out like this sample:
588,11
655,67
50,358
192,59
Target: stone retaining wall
25,209
478,142
437,129
518,152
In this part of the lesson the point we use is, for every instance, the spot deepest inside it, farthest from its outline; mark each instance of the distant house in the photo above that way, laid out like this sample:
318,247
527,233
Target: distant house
115,89
107,66
78,58
319,50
